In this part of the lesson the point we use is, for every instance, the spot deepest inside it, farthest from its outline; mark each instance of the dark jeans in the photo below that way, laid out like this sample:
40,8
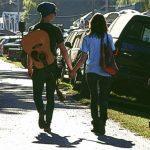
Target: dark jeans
40,77
100,88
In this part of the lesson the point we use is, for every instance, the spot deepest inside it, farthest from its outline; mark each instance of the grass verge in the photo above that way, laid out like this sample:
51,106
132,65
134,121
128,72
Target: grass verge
136,121
138,124
17,63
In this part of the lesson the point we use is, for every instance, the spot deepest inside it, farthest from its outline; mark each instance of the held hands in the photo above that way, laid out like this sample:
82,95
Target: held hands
30,72
72,73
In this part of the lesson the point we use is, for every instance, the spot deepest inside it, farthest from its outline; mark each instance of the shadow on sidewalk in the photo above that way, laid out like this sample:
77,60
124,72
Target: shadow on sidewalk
60,141
14,98
108,140
115,142
55,139
5,74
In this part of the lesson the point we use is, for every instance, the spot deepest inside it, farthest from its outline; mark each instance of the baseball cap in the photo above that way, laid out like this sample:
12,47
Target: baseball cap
46,8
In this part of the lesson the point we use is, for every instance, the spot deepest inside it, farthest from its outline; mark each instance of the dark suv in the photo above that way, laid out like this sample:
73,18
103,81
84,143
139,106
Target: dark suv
131,34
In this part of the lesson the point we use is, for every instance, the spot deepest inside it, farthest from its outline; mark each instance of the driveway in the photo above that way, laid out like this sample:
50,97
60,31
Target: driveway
70,126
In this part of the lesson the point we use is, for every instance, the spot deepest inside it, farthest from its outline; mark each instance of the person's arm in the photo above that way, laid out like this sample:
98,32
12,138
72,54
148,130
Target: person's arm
30,65
83,56
80,62
65,55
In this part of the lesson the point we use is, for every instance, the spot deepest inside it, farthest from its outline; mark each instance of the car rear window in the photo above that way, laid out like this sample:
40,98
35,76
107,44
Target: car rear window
142,34
146,34
133,33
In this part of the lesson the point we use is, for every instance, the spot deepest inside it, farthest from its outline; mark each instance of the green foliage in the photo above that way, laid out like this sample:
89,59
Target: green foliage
124,2
30,15
29,4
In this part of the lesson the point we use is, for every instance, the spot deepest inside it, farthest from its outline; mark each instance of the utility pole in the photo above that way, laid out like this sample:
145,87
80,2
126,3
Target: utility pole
93,7
106,5
18,5
18,12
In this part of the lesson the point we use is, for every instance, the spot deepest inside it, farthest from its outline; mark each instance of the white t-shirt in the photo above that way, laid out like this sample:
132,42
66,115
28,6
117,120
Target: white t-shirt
91,46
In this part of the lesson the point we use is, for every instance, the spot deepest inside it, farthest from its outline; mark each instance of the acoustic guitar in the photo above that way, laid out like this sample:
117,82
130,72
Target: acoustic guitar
37,45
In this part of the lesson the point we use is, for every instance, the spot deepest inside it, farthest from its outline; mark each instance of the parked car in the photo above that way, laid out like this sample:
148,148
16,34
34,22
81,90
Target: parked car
7,39
2,41
147,13
73,44
110,17
129,11
131,34
14,50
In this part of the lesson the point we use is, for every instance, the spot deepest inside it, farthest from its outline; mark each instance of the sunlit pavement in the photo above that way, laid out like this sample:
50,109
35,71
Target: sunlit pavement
70,127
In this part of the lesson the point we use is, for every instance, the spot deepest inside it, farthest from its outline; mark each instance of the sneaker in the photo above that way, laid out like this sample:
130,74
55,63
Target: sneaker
48,130
95,130
41,122
102,127
95,126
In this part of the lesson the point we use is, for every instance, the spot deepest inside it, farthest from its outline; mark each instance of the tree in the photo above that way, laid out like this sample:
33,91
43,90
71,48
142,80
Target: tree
30,8
30,14
146,3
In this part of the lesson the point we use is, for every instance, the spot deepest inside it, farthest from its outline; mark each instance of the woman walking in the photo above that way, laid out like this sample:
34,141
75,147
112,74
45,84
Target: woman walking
99,82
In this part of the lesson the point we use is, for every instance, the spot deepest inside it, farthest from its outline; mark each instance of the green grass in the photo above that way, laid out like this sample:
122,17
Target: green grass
17,63
136,124
135,121
124,97
85,101
64,85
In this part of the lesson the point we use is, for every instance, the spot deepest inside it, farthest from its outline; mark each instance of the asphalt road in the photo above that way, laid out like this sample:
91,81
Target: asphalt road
70,127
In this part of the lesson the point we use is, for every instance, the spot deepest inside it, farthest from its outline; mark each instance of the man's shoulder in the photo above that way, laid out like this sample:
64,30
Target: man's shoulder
49,26
33,27
55,27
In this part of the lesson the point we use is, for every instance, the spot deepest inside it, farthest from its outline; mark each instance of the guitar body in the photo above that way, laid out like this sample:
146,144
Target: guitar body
37,45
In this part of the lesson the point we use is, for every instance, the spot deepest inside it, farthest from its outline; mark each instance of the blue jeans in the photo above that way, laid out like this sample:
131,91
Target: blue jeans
100,88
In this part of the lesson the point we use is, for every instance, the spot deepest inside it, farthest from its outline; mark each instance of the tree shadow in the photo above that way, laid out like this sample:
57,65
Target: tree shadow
55,139
14,97
13,74
69,105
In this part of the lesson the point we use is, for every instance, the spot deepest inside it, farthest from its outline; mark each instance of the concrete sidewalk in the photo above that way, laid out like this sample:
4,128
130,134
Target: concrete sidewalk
70,127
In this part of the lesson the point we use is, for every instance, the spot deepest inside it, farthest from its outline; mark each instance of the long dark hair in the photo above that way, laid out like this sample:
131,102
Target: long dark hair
98,25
